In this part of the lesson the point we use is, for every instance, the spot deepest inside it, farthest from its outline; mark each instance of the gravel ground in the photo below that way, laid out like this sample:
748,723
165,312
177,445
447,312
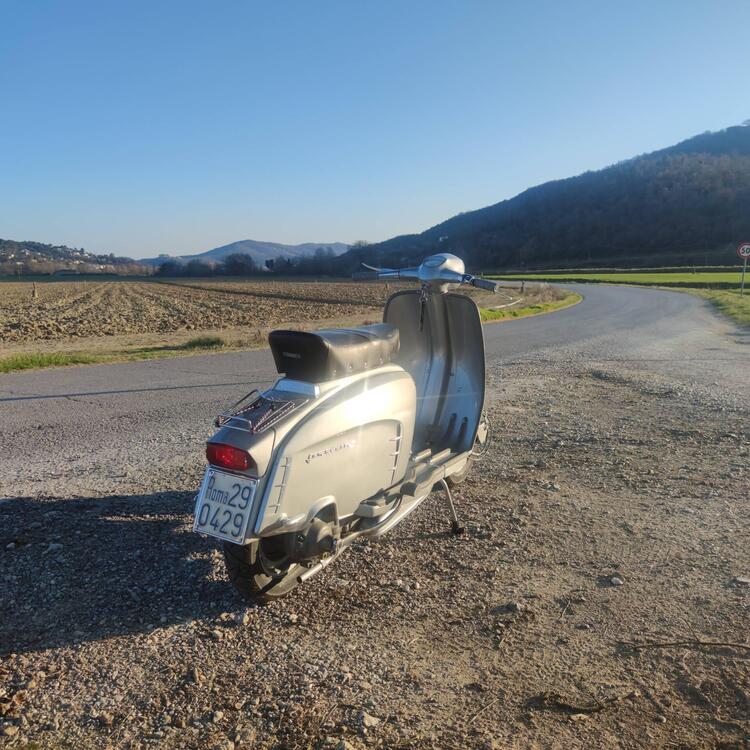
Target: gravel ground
611,509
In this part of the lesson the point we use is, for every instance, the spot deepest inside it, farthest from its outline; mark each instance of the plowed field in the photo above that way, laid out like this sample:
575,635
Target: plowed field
68,310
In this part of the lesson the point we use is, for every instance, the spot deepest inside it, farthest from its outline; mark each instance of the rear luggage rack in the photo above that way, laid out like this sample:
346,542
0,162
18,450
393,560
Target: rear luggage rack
259,414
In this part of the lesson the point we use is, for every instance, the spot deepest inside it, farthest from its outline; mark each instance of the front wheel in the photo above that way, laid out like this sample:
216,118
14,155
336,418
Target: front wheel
480,446
261,570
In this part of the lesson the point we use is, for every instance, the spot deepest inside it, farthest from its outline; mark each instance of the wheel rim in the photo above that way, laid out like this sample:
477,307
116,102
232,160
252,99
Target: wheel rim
274,558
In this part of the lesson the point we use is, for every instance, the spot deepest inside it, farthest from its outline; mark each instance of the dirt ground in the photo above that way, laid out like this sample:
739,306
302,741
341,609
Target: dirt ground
611,510
64,310
113,316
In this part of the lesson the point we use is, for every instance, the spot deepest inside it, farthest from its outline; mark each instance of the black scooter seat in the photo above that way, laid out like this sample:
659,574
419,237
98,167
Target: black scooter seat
334,352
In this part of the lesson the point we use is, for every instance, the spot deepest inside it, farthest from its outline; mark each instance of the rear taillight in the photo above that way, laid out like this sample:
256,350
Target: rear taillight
227,457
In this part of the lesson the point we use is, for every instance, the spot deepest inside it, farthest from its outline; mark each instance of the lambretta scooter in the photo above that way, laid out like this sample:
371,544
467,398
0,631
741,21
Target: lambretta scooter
361,426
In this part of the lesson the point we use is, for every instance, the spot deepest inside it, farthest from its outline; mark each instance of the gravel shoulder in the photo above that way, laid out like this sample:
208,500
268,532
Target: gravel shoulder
612,508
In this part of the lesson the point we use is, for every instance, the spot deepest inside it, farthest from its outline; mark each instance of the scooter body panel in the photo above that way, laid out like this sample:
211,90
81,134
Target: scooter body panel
352,443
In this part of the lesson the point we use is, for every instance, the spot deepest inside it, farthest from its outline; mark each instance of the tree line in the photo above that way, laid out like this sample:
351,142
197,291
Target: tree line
323,262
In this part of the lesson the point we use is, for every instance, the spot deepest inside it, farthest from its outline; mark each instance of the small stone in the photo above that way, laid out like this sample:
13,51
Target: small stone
217,716
368,721
345,745
106,719
243,618
514,607
196,675
661,719
216,634
292,619
579,717
616,581
10,730
12,545
742,580
54,547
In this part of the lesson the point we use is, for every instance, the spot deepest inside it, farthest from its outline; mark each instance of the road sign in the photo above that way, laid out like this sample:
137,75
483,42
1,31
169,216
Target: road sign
743,251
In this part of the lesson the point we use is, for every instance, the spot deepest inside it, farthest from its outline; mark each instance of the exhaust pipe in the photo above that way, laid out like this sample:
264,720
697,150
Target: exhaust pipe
310,572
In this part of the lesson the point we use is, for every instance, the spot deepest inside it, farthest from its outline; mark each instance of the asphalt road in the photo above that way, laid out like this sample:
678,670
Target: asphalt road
111,429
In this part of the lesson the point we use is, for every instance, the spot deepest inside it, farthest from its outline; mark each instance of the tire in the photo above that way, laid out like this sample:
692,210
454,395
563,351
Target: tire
256,573
459,476
478,450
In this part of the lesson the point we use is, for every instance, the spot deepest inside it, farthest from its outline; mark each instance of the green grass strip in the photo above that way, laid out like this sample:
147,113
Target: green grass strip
202,342
38,360
509,313
34,361
730,303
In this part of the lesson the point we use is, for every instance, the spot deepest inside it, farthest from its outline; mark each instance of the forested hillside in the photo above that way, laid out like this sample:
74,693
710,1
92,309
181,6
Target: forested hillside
687,204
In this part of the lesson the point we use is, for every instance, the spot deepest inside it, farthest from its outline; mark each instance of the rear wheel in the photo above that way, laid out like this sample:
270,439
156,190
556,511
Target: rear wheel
262,570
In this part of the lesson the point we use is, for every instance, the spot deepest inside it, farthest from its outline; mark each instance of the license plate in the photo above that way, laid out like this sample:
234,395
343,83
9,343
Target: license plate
224,505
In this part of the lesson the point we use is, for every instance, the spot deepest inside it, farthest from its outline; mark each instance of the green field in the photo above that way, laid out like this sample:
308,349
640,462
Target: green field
686,278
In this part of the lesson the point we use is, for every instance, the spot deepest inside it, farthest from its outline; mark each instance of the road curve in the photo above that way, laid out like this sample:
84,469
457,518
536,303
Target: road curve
104,428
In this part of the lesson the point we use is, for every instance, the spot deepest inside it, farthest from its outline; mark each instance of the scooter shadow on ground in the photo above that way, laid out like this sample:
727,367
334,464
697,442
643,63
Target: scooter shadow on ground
73,571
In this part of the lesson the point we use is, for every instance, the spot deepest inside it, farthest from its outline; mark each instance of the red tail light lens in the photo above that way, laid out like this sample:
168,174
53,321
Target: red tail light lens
227,457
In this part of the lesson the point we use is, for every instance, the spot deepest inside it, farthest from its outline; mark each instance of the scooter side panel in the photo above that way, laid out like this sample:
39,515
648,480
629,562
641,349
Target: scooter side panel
348,448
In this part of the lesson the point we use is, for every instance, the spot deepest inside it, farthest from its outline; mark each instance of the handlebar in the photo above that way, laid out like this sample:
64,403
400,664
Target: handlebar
490,286
445,276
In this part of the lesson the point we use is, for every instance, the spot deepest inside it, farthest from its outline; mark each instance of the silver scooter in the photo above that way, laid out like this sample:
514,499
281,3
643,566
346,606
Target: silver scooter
361,426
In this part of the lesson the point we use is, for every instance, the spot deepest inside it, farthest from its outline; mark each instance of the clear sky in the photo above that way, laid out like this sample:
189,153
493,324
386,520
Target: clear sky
177,126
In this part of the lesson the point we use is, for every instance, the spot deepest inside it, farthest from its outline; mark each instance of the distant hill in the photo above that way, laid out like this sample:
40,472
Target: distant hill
260,252
38,258
686,204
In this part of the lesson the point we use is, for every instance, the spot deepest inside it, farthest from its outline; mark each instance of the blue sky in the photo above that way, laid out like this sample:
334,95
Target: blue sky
147,127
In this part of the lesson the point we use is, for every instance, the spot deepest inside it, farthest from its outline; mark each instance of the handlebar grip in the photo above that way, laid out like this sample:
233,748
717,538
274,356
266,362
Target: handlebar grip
365,276
490,286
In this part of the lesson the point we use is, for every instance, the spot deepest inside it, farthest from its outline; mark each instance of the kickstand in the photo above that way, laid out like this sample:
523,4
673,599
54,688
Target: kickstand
456,527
